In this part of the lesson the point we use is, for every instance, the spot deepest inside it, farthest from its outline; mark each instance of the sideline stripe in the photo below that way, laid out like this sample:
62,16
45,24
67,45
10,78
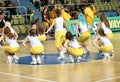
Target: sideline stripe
108,79
27,77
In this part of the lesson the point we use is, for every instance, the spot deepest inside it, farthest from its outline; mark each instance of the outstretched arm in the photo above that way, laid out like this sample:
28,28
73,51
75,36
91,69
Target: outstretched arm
16,35
51,26
95,42
24,42
76,30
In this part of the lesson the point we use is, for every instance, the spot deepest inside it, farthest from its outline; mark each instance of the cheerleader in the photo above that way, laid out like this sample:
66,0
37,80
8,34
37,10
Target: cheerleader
104,24
73,47
59,22
106,46
39,30
82,31
12,46
36,46
8,24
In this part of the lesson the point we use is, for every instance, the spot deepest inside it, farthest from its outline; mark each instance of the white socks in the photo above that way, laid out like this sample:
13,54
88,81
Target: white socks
79,59
16,57
61,55
9,59
107,56
36,59
71,59
12,59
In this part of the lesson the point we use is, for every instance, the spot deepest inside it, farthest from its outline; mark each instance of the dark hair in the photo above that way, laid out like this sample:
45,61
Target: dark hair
104,19
34,21
58,12
101,32
69,35
8,33
1,11
39,28
32,32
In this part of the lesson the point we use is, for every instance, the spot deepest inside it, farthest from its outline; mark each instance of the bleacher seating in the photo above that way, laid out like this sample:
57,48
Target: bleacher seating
16,27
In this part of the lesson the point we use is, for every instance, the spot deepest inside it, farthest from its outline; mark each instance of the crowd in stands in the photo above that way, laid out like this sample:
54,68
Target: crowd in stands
70,7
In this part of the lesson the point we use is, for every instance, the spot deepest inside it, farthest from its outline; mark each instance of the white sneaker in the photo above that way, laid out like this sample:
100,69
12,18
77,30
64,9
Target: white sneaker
106,56
71,59
9,62
111,54
60,57
33,63
78,59
9,59
39,62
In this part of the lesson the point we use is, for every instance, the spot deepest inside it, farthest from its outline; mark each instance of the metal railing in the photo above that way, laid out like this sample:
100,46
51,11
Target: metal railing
17,8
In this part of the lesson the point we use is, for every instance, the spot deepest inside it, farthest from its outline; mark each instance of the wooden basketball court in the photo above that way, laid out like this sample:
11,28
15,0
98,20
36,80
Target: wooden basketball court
93,71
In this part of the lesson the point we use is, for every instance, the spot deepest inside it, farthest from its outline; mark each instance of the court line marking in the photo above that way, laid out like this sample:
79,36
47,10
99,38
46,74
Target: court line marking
108,79
27,77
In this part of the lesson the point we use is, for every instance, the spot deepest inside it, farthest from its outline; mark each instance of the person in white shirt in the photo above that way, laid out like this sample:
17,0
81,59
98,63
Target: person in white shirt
73,47
36,46
59,23
106,46
8,24
12,46
104,24
82,31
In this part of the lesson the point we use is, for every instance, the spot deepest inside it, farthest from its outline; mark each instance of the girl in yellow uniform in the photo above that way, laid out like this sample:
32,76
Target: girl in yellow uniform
58,22
36,46
12,46
104,24
38,28
82,30
73,47
106,46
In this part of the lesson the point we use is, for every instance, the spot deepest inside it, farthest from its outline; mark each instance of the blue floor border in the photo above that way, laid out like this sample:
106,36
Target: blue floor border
51,59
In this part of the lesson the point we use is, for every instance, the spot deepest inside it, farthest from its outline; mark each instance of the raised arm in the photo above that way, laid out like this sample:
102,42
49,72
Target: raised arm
76,30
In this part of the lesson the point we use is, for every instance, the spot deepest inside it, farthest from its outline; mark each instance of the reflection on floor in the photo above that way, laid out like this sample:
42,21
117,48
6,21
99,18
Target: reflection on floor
50,59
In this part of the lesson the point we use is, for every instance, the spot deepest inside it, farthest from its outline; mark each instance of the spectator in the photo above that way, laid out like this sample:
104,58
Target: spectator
2,21
32,17
28,15
7,17
37,4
